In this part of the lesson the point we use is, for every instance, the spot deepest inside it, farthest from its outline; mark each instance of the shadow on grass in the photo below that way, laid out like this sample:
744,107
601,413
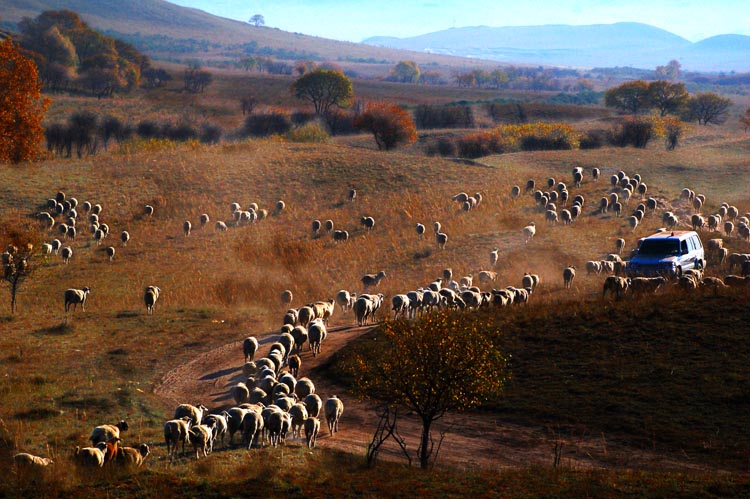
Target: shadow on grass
57,330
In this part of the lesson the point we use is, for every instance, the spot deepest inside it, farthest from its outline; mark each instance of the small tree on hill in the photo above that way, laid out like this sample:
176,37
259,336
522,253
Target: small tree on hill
745,119
631,97
17,260
257,20
406,72
441,363
22,106
390,124
325,89
708,108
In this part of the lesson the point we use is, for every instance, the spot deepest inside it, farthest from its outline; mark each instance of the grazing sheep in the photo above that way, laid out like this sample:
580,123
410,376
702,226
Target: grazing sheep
643,285
316,225
620,246
286,297
280,206
593,267
124,237
76,296
341,236
436,226
367,222
150,295
515,192
195,413
148,210
249,347
568,275
615,285
713,282
29,467
316,333
400,305
328,225
67,254
487,276
334,408
633,222
493,257
187,227
90,457
300,337
352,195
131,458
303,388
372,280
221,226
529,231
110,252
204,219
107,432
278,425
728,228
441,239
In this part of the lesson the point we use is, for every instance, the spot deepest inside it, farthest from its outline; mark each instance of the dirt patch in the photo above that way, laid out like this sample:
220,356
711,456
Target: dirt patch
475,440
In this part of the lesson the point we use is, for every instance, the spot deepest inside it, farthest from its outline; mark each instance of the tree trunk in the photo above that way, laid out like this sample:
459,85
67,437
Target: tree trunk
425,448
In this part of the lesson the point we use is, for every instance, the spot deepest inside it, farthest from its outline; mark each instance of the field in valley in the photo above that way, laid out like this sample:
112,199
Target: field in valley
646,397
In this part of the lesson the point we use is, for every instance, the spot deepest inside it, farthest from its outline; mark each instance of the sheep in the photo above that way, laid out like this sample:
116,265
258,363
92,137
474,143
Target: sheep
305,315
150,295
334,408
104,433
364,308
298,414
603,205
460,198
249,347
372,280
467,281
303,388
529,231
219,425
294,362
278,425
723,253
633,222
697,221
593,267
124,237
221,226
201,436
328,225
110,250
568,275
551,216
487,276
90,457
76,296
713,282
515,192
195,413
300,336
286,297
252,426
316,333
441,239
324,309
66,253
130,458
352,195
400,305
728,228
240,393
493,257
340,236
644,285
312,427
56,245
70,232
30,467
735,281
615,285
617,208
187,227
345,300
368,223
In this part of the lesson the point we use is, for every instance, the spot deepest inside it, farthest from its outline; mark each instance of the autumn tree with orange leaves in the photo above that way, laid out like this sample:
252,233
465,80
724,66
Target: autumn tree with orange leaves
390,124
22,106
441,363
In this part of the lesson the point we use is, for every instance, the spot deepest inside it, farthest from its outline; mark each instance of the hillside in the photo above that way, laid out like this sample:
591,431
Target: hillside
166,30
601,45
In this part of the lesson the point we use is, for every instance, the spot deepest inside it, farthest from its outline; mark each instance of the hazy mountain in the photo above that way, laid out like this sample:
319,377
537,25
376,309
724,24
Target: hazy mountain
619,44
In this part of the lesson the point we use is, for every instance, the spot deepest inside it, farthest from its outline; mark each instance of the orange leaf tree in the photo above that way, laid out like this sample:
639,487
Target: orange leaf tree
390,125
22,106
443,362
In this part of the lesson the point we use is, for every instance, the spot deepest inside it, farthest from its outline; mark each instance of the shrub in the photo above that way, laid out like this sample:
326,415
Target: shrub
310,132
147,129
632,131
340,122
593,139
301,117
264,125
179,133
426,117
509,138
444,146
210,134
389,124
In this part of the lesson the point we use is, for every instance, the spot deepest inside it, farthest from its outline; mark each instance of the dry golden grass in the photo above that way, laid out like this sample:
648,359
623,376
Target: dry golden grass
62,378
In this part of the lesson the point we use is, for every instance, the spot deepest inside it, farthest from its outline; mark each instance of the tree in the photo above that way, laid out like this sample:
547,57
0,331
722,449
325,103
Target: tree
17,260
22,106
708,108
390,125
324,89
257,20
406,72
499,78
745,119
670,72
631,96
667,97
441,363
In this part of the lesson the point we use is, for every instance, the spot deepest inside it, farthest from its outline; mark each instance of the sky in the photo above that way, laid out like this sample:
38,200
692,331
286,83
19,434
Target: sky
356,20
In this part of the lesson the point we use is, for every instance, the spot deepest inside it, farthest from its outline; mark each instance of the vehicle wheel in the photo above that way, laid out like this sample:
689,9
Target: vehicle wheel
678,272
700,265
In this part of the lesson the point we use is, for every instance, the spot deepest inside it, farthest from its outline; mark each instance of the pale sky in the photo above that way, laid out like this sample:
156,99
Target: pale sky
355,20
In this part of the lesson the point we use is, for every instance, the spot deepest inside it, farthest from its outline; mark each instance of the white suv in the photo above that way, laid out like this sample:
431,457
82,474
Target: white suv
667,254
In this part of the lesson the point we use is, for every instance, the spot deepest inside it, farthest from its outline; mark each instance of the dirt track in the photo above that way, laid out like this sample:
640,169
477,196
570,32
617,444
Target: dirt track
471,440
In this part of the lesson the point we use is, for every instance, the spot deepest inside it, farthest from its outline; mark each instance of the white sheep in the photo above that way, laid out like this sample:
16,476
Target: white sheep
368,223
195,413
131,457
436,227
204,219
249,347
150,296
316,333
110,252
105,433
67,254
334,408
221,226
286,297
420,228
442,239
312,428
372,280
400,305
487,276
494,257
568,275
352,195
187,227
529,231
124,237
345,300
30,467
201,436
148,210
75,296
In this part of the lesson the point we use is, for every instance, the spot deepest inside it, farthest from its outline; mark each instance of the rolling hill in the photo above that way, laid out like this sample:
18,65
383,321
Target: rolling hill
601,45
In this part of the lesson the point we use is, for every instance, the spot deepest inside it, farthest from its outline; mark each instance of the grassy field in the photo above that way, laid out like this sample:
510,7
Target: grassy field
62,376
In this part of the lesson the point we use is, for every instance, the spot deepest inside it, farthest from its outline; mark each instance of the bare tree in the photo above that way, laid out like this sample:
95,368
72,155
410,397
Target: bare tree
257,20
17,261
708,108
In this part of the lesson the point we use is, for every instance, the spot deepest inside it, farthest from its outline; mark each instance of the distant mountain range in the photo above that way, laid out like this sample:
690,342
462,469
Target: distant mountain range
599,45
166,26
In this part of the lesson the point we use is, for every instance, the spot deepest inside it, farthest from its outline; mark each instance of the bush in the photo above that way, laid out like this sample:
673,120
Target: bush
528,137
147,129
340,122
210,134
593,139
301,117
310,132
179,133
426,117
264,125
632,131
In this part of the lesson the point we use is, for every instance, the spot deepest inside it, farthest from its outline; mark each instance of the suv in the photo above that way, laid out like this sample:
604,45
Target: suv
667,254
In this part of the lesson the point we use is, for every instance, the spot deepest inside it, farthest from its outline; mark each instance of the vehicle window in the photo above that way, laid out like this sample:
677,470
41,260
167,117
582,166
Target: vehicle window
696,242
684,247
659,247
690,244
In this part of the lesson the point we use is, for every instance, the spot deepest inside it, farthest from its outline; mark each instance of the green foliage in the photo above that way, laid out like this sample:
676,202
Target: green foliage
309,132
406,72
324,89
631,96
667,97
